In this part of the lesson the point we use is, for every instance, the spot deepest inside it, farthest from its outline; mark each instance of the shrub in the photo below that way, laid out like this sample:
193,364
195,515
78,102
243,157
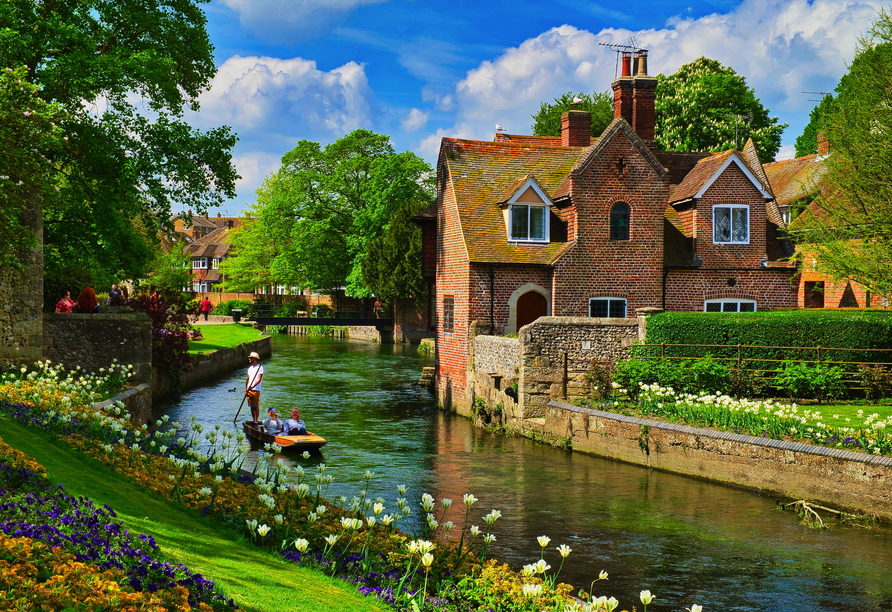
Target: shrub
600,376
877,381
810,381
706,375
225,308
747,383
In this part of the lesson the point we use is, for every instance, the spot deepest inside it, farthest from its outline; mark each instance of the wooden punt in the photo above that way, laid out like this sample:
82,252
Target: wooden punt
290,444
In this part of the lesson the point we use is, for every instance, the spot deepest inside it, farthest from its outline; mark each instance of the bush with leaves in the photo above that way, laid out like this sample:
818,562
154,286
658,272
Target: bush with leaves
169,311
225,308
810,380
877,381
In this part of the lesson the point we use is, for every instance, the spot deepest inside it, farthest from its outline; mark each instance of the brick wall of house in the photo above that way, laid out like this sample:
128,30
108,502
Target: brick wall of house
686,290
732,187
505,281
452,280
597,266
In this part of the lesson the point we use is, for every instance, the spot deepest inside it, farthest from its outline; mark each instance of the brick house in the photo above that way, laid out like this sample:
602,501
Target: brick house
206,243
527,226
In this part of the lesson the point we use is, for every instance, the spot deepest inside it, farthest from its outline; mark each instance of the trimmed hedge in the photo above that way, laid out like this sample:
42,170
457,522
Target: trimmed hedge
863,329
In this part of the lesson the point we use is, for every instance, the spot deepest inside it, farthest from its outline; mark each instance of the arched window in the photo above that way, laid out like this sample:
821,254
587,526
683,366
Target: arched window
619,221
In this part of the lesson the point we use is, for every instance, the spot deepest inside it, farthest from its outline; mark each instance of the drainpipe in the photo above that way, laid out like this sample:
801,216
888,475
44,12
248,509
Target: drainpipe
492,299
665,275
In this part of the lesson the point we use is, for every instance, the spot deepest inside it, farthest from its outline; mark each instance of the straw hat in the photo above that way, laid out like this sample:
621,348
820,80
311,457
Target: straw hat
254,356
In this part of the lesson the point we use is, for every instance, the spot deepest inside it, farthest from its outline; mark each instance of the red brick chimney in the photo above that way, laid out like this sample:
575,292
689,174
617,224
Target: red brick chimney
823,145
634,95
576,128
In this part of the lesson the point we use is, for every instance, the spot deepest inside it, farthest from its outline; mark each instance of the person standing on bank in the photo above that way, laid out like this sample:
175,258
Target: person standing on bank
252,385
206,307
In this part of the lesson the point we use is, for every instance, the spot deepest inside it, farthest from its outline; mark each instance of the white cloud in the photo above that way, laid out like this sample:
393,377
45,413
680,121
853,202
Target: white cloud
267,97
415,120
782,47
281,20
254,167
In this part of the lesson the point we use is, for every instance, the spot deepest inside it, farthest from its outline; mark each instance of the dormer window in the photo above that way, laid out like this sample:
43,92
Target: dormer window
200,263
527,211
529,223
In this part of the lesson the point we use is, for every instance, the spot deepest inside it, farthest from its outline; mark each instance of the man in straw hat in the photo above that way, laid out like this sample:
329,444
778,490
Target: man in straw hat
252,385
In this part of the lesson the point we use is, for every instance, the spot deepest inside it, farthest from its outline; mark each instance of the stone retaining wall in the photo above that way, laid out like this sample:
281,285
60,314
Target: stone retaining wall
855,482
21,299
93,341
211,365
137,401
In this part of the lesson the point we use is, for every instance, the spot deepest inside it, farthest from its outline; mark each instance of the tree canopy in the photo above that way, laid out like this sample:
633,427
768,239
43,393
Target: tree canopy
121,74
807,142
705,106
324,206
850,235
547,121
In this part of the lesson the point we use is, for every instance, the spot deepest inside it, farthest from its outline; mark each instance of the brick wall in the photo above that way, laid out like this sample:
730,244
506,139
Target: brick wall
686,290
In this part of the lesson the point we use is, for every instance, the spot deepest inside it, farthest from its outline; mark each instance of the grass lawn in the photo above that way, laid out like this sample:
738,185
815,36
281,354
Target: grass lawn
223,336
837,414
256,580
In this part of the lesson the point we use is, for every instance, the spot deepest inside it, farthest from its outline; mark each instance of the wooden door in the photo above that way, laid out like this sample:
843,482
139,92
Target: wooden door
530,306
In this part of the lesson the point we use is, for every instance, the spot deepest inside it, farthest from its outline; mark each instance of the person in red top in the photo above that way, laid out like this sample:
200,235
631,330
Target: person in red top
206,307
66,304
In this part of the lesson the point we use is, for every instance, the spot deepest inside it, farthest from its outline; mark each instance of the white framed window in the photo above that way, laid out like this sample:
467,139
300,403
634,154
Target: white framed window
215,263
729,305
200,263
731,224
199,286
529,223
607,307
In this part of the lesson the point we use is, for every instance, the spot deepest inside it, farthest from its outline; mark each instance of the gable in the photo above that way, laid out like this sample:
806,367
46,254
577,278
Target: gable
708,170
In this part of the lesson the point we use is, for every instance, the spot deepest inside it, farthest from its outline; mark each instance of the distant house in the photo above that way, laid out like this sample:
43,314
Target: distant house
528,226
207,244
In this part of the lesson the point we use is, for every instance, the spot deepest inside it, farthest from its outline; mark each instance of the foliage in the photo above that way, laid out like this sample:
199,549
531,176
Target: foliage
225,308
169,311
877,381
774,330
810,380
705,375
705,106
99,63
248,266
807,142
547,120
849,235
600,376
325,204
27,131
171,271
391,268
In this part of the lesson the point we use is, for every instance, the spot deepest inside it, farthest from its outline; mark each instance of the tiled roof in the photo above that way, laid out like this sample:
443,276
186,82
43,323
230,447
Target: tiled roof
215,244
698,177
481,172
530,141
795,179
679,164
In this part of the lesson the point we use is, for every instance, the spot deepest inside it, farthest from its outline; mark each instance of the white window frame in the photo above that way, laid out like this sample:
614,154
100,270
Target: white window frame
609,305
736,301
545,222
200,263
730,208
199,287
215,263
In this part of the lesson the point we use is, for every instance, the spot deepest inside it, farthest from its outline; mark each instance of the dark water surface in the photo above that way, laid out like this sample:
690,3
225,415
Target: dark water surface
687,541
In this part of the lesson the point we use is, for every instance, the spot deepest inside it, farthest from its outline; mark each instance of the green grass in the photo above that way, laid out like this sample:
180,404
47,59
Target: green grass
256,580
836,414
223,336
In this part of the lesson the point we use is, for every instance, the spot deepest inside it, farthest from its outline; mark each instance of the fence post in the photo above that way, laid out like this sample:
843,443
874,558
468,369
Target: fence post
738,357
819,353
662,350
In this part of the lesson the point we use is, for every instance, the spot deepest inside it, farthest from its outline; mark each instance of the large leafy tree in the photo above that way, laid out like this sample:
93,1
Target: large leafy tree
807,142
547,120
705,106
325,204
122,72
849,233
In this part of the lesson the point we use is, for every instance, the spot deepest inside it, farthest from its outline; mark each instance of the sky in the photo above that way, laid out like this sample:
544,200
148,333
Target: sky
420,70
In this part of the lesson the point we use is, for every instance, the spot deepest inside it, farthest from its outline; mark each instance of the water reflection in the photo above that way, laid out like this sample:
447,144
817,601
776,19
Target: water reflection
688,541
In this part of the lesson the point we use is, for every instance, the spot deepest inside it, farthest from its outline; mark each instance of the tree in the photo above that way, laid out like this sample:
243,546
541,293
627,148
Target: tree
705,106
248,265
807,142
392,266
849,234
93,59
324,205
547,121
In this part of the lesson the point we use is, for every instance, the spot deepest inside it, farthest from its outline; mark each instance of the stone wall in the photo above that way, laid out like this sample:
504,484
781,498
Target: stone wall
850,481
557,354
137,401
210,366
21,301
93,341
497,355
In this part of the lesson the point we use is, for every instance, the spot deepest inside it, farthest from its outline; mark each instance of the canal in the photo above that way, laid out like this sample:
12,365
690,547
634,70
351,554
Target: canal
688,541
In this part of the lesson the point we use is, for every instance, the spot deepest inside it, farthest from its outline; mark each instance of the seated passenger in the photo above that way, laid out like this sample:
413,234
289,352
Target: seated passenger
294,426
273,424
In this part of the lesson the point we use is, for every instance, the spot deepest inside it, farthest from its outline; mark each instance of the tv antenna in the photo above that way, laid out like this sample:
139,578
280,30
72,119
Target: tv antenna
817,93
626,51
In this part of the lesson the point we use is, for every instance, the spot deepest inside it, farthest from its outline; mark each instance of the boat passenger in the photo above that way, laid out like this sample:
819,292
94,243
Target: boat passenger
294,426
273,424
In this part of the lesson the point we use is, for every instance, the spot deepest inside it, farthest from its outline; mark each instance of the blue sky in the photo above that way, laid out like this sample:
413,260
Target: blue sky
418,70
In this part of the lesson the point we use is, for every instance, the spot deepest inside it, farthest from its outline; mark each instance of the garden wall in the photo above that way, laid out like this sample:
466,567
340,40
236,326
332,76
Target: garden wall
21,300
93,341
855,482
137,401
210,366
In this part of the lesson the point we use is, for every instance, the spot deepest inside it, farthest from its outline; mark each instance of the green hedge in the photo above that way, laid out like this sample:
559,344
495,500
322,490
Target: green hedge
864,329
225,308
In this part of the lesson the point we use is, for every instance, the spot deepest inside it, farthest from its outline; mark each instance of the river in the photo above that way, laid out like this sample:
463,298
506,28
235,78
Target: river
686,540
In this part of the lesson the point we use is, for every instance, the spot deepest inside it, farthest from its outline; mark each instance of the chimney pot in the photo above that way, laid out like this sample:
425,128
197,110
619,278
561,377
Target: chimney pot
641,63
626,65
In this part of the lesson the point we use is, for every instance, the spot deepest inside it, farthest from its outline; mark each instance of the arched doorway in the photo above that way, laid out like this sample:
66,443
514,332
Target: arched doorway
530,306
